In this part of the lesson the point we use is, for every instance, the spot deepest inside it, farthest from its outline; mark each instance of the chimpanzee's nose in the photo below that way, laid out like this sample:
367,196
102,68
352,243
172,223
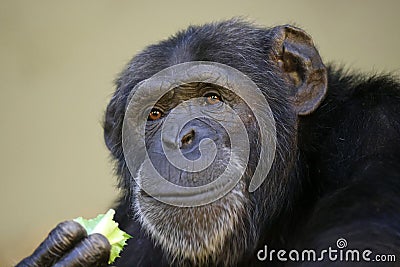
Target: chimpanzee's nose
192,134
187,139
190,138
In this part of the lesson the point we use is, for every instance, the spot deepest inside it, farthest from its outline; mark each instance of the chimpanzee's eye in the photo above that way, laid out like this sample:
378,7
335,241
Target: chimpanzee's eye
212,98
155,114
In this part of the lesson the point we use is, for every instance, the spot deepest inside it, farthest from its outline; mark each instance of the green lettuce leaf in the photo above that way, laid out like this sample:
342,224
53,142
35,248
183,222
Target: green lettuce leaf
105,225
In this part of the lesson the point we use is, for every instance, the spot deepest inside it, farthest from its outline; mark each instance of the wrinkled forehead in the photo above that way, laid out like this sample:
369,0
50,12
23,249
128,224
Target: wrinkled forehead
192,90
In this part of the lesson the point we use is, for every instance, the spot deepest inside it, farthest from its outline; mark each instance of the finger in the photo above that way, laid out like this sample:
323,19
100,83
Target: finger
61,239
93,251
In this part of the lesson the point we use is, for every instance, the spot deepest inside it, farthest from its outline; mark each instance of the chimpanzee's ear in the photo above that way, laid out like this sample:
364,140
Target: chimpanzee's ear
294,52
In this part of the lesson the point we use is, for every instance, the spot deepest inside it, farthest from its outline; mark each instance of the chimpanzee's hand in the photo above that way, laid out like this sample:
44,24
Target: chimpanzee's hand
68,245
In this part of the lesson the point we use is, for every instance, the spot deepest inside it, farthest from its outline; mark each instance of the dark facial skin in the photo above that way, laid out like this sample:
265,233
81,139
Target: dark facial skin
211,99
215,221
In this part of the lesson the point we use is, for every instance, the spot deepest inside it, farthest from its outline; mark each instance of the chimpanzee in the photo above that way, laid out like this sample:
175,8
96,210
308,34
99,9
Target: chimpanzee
333,186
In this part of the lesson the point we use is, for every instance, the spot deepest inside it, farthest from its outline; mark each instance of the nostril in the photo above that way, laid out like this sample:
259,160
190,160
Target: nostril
187,139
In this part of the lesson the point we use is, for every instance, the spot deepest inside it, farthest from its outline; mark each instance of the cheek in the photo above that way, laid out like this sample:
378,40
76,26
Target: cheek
153,134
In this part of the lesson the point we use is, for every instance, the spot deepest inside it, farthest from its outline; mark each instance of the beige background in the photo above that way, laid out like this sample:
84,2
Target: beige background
58,60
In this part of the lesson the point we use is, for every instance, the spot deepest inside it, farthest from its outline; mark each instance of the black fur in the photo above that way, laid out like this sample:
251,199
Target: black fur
341,178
